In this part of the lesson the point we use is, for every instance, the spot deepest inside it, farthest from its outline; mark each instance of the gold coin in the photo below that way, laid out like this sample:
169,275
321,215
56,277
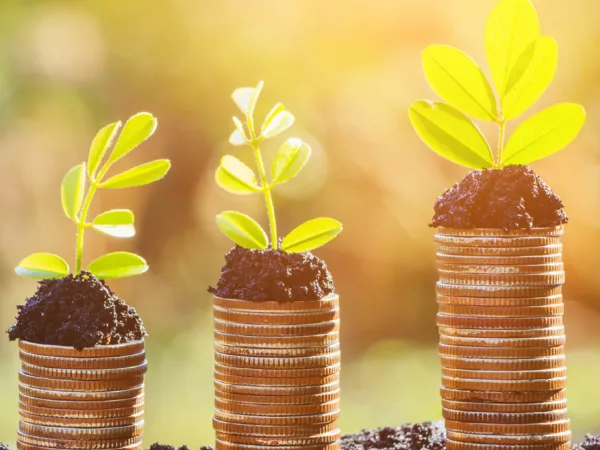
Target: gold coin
553,249
326,303
495,241
506,418
276,390
85,375
325,438
506,408
131,442
501,311
502,279
277,330
530,333
262,352
532,260
62,421
551,341
505,375
499,352
92,396
553,362
318,340
117,362
276,410
262,318
329,417
100,351
496,270
552,384
498,232
279,373
502,396
255,381
77,385
500,302
560,426
223,445
82,405
505,439
496,291
82,413
279,400
503,323
455,445
273,430
278,363
24,446
83,434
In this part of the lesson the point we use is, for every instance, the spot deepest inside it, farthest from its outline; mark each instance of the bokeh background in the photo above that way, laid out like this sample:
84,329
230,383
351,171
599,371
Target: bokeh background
348,71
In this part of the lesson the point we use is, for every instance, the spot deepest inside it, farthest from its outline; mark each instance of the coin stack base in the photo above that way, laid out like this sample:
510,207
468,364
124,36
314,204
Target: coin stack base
81,399
277,374
500,318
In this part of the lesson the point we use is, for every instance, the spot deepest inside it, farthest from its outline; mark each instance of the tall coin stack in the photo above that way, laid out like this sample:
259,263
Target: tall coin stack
277,373
88,399
502,339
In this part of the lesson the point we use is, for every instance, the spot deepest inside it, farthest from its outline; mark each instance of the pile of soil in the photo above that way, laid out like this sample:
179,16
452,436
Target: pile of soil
508,198
273,275
4,446
76,311
428,435
591,443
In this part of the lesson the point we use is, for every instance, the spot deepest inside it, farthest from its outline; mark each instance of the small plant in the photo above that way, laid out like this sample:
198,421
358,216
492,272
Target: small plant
118,222
522,64
236,177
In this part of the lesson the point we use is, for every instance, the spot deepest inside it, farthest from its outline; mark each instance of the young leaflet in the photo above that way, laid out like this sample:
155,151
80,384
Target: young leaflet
522,64
236,177
77,197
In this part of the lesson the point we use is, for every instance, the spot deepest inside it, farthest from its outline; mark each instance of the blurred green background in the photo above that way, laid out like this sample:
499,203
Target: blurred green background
348,71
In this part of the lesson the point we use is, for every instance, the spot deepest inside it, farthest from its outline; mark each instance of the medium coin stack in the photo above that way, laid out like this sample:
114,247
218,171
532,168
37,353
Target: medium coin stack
277,373
88,399
502,339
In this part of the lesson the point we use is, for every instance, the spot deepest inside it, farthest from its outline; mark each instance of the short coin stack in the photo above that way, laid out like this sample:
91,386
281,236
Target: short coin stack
502,339
277,373
88,399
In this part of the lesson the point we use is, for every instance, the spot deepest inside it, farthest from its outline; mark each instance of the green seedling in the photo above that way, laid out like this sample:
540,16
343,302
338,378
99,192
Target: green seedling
236,177
77,197
522,64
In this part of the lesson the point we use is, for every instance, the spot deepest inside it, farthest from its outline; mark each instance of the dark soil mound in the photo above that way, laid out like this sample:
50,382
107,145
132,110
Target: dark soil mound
264,275
76,311
509,198
591,443
426,436
4,446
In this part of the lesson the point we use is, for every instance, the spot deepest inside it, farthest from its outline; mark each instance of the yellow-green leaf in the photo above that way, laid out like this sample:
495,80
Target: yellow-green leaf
545,133
278,124
236,177
117,223
278,108
311,235
245,98
42,266
456,78
451,134
100,145
136,130
534,80
237,138
291,157
510,29
239,126
242,229
73,190
139,176
118,265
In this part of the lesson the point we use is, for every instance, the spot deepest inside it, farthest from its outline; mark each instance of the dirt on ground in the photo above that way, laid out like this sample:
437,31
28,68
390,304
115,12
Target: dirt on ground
428,435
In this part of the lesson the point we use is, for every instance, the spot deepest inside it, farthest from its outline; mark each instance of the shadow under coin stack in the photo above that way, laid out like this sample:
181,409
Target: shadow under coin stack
502,339
277,372
88,399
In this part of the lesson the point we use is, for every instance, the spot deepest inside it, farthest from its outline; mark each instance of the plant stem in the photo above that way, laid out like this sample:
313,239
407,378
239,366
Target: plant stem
502,124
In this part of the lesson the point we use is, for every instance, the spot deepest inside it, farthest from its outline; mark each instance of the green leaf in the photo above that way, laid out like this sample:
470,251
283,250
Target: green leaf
243,230
276,110
116,222
245,98
280,122
291,157
136,130
100,145
73,190
451,134
236,177
240,127
534,80
118,265
510,29
139,176
545,133
311,235
237,138
42,266
459,81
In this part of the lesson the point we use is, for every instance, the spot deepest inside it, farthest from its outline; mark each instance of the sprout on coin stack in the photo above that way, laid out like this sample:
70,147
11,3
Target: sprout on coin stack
81,383
499,250
277,352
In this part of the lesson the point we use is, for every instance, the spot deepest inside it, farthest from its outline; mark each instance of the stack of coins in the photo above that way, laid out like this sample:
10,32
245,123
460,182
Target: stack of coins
88,399
277,373
502,339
